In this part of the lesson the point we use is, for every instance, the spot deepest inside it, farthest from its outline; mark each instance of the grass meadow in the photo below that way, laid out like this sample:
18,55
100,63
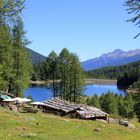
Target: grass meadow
16,126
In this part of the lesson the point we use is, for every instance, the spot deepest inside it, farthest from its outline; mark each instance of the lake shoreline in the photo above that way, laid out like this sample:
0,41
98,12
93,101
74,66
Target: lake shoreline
101,81
87,82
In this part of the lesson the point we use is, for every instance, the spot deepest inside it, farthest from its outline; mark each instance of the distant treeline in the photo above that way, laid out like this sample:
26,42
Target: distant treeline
126,75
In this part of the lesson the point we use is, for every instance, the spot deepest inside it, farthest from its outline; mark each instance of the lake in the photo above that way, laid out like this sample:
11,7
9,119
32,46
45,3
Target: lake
42,93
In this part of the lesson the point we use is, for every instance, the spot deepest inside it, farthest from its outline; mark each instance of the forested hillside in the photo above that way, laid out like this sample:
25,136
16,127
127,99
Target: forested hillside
126,75
35,57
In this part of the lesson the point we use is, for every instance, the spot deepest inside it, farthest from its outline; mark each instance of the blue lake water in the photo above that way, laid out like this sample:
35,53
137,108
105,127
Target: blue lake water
99,89
43,93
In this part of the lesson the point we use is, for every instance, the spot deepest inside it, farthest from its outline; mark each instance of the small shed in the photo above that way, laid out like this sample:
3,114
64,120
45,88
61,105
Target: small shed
90,112
61,107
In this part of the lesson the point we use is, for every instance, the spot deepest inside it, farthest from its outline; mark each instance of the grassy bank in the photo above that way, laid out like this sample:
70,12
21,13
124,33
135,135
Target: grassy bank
50,127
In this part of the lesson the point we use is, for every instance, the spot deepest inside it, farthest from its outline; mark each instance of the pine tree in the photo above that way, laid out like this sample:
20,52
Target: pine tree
53,66
6,59
94,101
35,72
41,72
13,57
21,65
76,78
129,102
121,107
126,106
109,103
64,68
137,106
137,102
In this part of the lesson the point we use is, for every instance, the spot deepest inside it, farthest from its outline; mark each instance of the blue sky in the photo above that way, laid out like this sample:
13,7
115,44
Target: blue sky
86,27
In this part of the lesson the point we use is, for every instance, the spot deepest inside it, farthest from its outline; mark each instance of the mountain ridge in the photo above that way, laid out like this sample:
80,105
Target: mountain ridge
114,58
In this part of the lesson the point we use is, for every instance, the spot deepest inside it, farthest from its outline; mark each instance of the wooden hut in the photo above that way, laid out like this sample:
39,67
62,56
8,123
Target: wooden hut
62,107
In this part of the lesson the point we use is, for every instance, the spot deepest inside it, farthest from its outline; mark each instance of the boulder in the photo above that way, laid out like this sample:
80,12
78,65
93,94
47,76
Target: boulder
131,126
97,130
125,123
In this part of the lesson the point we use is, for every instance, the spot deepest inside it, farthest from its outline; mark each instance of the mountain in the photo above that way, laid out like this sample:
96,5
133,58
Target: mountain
115,58
35,57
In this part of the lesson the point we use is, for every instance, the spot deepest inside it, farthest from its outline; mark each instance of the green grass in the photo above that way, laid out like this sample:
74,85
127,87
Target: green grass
41,126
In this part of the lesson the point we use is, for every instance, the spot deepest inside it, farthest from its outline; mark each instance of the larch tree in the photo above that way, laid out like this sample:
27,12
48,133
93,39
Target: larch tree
64,68
6,59
76,78
22,65
9,10
52,61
